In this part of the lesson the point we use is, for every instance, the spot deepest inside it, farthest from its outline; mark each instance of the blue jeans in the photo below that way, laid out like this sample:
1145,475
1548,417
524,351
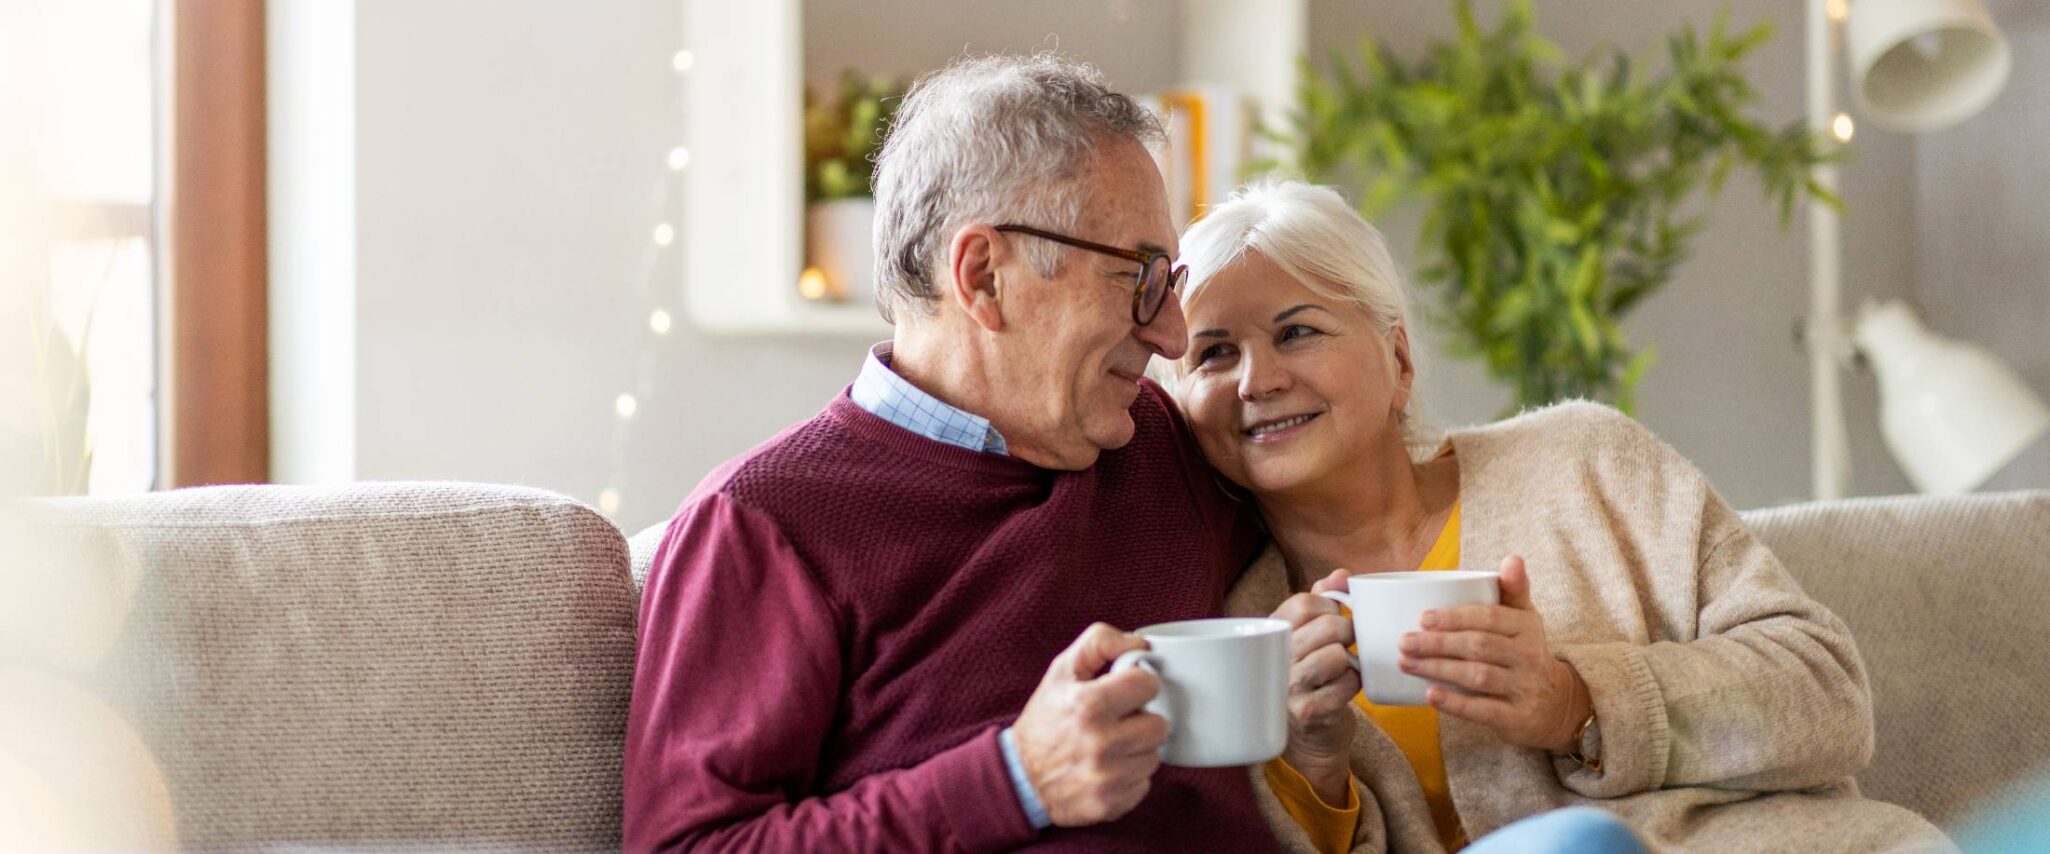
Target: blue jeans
2015,822
1582,830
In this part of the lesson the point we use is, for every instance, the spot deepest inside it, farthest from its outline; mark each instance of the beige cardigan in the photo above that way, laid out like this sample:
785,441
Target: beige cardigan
1733,709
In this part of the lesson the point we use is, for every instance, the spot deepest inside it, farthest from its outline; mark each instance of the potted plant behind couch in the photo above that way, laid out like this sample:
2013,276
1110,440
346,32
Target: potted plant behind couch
1558,194
841,137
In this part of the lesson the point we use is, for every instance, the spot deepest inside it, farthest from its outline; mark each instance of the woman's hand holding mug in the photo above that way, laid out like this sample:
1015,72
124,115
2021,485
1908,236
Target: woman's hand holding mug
1497,656
1321,686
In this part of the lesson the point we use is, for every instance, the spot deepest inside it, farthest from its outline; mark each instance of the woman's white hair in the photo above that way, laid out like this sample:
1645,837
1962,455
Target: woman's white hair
990,139
1310,233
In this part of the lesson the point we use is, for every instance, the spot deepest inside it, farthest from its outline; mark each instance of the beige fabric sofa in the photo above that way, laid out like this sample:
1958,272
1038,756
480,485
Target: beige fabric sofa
449,664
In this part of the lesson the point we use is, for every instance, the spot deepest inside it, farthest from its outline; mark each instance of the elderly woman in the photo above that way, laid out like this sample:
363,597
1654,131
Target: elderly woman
1649,657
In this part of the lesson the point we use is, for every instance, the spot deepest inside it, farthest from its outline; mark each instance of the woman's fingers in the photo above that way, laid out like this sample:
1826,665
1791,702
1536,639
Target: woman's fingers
1491,712
1515,584
1328,698
1499,619
1471,646
1337,581
1304,607
1474,676
1320,668
1328,630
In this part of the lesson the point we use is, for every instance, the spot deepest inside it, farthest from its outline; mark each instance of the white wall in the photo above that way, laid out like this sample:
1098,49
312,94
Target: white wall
509,155
1730,388
1133,41
506,177
1983,223
310,95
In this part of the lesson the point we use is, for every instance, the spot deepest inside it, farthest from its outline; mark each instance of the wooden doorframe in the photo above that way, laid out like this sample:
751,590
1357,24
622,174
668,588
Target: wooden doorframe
217,259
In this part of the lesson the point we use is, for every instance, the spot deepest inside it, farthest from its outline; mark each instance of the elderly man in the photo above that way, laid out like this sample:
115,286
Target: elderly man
846,636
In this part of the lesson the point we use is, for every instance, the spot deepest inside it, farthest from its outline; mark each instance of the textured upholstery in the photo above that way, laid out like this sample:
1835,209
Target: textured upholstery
1949,599
449,665
379,664
642,547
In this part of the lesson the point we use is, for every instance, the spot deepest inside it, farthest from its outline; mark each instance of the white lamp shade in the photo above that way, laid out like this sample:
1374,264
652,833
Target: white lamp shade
1922,65
1952,414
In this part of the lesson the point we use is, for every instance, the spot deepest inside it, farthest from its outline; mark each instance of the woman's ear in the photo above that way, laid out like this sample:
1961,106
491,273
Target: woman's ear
974,258
1405,368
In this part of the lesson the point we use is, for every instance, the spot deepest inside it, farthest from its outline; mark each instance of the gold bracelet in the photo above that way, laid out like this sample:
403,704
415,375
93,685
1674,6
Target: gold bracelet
1578,753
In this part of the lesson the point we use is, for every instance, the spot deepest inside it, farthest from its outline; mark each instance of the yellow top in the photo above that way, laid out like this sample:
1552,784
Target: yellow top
1414,729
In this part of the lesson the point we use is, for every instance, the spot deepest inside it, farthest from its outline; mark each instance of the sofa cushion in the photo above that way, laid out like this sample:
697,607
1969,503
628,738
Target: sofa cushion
1946,597
642,547
370,665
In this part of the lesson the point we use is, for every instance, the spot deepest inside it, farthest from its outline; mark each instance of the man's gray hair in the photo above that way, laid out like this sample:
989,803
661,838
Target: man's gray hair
990,139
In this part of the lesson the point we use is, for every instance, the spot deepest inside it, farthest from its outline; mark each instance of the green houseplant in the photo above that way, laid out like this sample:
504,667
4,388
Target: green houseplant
1558,193
841,137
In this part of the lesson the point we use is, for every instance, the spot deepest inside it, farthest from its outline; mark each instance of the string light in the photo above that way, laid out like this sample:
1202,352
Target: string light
1842,128
1838,10
628,404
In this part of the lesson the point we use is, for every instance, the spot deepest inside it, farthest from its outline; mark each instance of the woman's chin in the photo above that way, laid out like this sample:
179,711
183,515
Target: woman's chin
1280,473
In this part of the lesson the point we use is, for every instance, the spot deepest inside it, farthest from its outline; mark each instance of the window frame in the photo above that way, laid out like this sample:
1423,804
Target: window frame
215,250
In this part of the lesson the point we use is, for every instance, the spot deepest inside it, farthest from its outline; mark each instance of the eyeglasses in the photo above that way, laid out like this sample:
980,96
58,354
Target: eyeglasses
1158,276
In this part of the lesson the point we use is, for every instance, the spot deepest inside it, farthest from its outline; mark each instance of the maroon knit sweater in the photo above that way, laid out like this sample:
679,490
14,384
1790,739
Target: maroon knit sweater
838,624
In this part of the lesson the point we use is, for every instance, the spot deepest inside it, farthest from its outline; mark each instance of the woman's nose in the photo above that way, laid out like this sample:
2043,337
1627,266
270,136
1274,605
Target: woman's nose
1261,375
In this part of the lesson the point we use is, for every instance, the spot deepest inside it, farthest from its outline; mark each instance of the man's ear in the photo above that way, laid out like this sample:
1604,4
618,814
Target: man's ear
974,257
1405,371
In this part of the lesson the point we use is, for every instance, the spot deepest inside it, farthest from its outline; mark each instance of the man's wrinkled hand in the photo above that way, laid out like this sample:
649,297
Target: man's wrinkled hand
1087,745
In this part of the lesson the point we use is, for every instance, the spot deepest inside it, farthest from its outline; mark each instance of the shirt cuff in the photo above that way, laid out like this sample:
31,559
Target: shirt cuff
1330,828
1028,797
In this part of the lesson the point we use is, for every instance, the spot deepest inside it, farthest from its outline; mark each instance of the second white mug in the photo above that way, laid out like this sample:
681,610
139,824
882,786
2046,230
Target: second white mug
1387,605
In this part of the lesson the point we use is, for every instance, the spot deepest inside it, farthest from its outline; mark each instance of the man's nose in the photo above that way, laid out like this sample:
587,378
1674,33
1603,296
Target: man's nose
1168,334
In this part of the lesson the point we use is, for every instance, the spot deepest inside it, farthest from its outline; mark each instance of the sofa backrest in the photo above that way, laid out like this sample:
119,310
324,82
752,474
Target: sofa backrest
1949,599
450,664
413,665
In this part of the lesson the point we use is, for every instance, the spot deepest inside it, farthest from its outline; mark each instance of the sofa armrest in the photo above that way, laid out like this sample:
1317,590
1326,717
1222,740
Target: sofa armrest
411,665
1946,597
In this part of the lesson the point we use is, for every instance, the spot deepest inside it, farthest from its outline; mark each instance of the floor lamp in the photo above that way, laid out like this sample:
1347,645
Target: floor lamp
1914,66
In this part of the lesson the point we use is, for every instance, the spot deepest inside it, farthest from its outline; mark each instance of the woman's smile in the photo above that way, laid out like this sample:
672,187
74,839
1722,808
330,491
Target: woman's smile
1273,430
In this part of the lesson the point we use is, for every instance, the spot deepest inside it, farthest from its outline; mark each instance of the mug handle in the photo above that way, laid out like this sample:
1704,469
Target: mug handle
1342,598
1147,661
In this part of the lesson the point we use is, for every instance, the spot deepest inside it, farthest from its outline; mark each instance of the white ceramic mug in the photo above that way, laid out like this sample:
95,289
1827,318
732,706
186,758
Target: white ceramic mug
1387,605
1223,688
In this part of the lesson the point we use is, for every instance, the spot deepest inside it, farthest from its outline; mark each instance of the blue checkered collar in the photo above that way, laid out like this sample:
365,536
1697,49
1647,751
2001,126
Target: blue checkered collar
892,398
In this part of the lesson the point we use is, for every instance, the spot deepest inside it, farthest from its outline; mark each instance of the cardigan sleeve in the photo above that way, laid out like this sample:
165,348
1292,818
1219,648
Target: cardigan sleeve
735,687
1765,693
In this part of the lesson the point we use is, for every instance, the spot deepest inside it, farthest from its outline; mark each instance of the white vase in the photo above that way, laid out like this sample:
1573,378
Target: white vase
839,239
